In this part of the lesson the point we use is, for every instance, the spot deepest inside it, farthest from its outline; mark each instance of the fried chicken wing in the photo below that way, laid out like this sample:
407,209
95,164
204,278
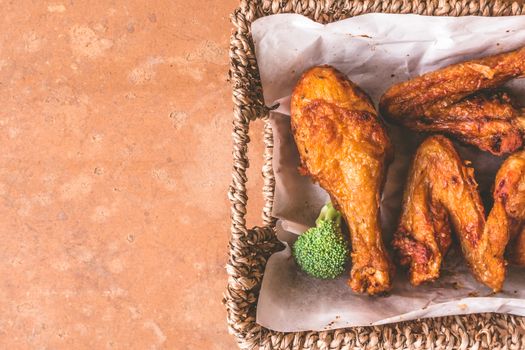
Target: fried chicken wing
441,194
464,100
510,191
344,147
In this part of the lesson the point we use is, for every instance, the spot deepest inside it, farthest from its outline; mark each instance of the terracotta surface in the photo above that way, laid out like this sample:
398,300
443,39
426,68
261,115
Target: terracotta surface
116,156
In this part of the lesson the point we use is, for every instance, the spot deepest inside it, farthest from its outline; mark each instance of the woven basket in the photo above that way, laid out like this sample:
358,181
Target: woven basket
250,248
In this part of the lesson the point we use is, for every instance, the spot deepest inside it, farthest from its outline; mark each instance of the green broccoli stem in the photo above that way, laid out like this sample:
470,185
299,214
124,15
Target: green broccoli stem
328,212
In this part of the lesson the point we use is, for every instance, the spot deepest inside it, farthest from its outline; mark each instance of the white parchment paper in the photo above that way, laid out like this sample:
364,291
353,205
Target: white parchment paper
375,51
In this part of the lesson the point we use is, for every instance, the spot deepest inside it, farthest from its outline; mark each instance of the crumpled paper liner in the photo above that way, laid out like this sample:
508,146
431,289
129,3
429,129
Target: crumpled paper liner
375,51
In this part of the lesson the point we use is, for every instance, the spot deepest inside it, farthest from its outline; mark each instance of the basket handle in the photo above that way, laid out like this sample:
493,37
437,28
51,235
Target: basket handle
268,175
237,191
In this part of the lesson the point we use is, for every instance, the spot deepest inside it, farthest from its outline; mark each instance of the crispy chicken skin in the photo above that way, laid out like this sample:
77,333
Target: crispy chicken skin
441,194
344,147
463,100
510,189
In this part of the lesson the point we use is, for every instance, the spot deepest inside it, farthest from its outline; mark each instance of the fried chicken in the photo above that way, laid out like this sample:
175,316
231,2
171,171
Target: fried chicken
344,147
510,191
465,101
441,194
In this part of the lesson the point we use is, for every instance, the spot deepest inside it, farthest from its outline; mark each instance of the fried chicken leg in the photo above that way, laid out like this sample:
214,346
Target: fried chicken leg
441,193
344,147
463,100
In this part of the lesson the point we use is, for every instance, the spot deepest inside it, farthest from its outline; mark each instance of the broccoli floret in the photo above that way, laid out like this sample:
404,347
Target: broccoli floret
321,251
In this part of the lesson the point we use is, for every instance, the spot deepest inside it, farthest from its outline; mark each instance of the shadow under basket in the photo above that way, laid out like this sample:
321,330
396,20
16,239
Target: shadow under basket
250,248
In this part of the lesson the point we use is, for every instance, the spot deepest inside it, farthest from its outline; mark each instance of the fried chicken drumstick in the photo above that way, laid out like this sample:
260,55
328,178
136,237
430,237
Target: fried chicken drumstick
464,100
441,194
344,147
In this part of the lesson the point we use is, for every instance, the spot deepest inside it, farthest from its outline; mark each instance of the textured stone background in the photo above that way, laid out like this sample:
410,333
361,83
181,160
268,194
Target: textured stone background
115,161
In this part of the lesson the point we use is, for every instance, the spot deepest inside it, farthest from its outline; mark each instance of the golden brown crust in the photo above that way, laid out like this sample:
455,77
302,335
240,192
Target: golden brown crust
441,193
509,189
461,100
517,249
344,147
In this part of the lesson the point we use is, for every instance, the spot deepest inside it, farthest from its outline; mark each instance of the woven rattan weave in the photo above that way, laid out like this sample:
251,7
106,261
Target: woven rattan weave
250,248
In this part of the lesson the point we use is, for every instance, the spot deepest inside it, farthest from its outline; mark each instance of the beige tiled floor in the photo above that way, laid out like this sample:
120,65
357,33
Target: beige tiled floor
115,160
